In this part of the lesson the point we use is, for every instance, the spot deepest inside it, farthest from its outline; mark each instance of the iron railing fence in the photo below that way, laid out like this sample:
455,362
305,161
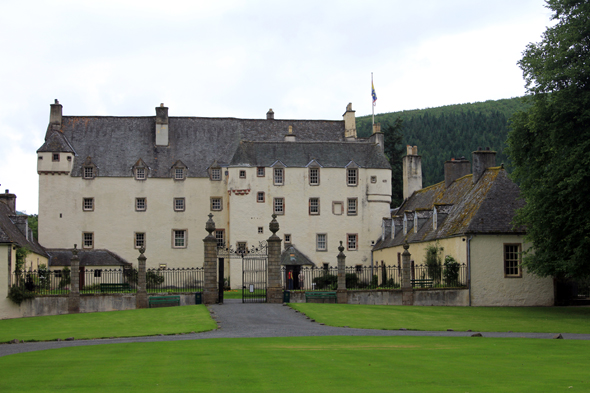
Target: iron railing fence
175,279
376,277
118,280
373,277
58,282
439,276
310,278
43,281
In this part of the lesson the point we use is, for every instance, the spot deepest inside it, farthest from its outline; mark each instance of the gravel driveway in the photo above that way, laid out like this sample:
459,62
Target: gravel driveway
254,320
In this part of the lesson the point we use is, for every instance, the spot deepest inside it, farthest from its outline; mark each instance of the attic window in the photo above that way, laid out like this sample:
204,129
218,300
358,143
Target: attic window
55,157
140,173
88,172
216,174
352,176
178,173
260,171
242,174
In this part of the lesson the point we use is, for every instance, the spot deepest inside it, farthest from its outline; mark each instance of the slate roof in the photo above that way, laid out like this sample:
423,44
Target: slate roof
55,141
299,258
299,154
62,257
486,207
116,143
10,233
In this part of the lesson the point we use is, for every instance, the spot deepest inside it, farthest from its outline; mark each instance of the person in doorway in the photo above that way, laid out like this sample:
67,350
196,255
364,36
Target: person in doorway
290,279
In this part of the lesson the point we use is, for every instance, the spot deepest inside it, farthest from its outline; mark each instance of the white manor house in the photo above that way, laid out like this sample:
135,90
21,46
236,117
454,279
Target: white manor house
122,183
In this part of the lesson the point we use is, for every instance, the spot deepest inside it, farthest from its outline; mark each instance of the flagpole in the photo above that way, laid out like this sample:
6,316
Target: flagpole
372,103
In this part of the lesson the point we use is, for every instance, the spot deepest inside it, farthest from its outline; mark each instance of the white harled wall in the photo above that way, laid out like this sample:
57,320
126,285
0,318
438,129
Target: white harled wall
246,214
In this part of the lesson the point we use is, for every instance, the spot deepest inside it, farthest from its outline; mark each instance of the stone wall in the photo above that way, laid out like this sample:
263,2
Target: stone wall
422,297
58,304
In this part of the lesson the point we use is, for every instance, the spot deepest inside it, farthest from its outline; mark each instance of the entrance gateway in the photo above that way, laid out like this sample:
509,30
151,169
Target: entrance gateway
254,271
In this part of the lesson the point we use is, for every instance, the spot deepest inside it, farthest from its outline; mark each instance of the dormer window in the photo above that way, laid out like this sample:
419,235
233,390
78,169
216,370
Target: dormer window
178,171
140,173
140,170
279,176
314,176
215,174
352,176
89,170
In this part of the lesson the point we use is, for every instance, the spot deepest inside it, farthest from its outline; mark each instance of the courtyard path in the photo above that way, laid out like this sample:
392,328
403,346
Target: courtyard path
254,320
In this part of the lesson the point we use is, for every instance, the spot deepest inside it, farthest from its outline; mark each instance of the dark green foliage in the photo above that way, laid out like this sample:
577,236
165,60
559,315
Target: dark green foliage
18,294
33,220
451,272
327,281
394,150
352,280
65,278
549,145
433,262
153,279
447,132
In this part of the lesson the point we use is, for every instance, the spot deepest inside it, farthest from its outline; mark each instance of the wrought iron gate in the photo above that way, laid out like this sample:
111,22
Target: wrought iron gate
254,278
254,270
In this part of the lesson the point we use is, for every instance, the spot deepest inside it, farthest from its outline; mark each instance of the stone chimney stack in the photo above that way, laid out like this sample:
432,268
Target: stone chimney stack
270,115
10,200
290,137
162,125
378,137
349,123
455,169
55,114
482,160
412,171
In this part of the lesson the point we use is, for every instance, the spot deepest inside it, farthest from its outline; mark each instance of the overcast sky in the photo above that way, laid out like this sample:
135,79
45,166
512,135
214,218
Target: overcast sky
303,59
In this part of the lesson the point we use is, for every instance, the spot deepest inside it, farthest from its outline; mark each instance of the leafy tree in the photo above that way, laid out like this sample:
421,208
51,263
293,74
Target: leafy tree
394,150
34,224
549,145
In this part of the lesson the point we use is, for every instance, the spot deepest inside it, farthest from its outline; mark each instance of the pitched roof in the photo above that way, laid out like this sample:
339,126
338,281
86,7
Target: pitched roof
63,256
116,143
300,154
10,233
292,256
55,141
486,207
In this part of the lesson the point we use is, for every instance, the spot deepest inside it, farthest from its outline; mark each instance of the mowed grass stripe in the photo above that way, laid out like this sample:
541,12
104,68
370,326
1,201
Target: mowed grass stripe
485,319
306,364
129,323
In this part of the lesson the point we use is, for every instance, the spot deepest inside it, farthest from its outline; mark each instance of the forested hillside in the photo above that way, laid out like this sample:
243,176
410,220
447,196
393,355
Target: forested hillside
450,131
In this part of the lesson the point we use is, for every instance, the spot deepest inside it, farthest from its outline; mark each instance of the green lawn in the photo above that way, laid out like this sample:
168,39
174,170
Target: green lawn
306,364
143,322
237,293
483,319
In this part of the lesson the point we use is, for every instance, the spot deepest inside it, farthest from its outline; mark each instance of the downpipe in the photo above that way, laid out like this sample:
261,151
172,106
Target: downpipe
469,267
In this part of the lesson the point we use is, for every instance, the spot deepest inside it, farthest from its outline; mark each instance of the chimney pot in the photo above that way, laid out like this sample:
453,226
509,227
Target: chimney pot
270,115
162,105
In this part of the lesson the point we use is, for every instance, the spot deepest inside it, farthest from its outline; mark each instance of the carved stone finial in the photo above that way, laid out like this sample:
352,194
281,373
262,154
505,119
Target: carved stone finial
274,225
141,250
75,250
210,226
406,246
341,248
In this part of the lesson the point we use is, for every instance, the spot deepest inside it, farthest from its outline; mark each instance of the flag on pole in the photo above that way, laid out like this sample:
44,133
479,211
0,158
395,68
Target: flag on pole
373,94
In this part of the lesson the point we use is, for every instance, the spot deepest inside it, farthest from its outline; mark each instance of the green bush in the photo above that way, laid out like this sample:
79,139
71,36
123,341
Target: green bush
433,262
327,281
352,280
451,271
18,294
65,278
153,279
